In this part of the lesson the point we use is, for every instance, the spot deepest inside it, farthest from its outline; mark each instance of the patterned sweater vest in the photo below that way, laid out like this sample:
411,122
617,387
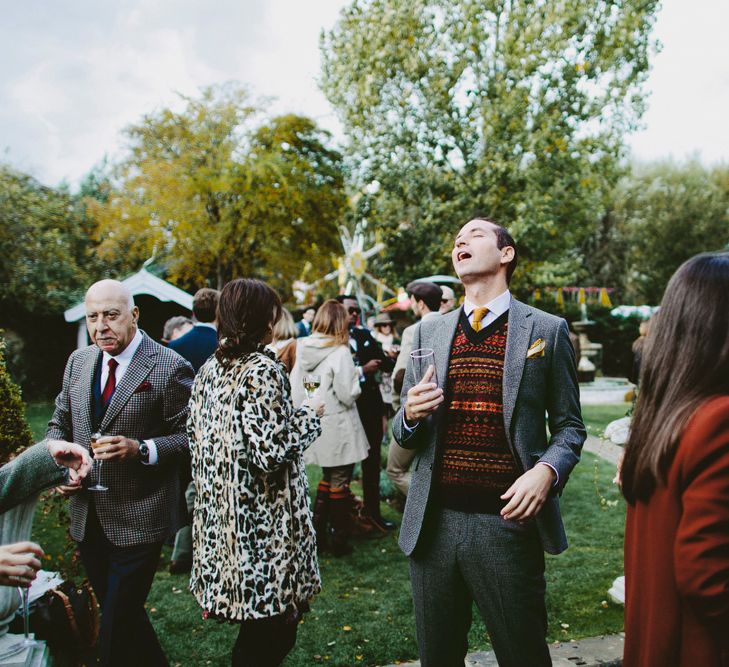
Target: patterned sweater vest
475,464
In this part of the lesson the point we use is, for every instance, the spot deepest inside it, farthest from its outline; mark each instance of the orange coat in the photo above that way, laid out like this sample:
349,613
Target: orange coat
677,554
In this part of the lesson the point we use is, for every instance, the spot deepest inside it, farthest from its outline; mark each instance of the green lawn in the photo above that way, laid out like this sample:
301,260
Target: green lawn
597,417
364,614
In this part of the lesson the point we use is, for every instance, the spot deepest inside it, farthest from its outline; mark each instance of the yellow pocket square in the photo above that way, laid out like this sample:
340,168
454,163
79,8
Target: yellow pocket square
536,349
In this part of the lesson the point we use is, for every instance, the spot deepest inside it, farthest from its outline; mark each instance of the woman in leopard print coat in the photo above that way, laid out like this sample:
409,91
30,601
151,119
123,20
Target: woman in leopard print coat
254,554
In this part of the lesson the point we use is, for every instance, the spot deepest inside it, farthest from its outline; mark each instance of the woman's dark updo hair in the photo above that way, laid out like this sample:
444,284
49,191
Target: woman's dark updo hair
247,310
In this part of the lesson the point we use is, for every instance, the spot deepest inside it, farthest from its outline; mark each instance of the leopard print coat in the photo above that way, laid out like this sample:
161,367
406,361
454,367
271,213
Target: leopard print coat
254,553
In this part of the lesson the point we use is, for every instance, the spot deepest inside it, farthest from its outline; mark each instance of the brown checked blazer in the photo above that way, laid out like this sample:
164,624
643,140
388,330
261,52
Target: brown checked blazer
149,403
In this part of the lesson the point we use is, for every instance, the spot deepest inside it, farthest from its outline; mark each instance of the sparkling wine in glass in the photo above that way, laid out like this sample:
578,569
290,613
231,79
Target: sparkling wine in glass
27,640
94,445
311,384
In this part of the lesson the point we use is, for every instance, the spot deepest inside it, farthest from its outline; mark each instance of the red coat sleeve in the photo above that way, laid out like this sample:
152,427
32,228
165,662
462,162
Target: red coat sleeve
701,550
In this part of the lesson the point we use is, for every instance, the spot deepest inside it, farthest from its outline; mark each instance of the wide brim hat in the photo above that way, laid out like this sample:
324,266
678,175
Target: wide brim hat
382,319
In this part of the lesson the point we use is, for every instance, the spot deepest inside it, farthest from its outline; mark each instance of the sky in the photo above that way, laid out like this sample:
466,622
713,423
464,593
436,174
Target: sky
75,73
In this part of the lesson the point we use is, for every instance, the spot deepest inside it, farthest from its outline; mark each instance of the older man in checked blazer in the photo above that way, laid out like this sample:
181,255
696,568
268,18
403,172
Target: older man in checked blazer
483,504
135,393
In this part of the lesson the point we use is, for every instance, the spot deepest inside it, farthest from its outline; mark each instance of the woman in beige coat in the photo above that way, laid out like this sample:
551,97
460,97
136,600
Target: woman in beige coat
343,441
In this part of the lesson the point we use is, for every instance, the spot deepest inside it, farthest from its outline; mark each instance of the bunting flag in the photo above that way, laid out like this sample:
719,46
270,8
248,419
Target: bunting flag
605,298
581,297
537,294
560,298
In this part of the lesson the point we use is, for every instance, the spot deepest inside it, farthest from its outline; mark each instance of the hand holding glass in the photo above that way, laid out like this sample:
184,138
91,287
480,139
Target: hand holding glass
95,445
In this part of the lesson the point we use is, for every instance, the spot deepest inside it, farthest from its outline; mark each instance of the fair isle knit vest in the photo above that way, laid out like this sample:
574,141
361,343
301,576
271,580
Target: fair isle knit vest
475,463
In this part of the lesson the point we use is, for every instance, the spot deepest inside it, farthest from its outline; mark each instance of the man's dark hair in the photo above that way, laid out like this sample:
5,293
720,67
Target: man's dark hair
343,297
503,239
247,310
204,304
430,293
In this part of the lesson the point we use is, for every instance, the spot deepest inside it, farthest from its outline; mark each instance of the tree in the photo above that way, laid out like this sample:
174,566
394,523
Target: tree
661,215
218,197
515,109
44,243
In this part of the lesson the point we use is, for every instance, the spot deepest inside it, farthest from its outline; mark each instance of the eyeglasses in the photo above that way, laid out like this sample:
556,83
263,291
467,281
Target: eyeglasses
354,311
444,300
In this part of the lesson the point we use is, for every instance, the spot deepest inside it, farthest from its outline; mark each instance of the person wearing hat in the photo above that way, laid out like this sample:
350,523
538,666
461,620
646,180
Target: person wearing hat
447,300
386,336
425,302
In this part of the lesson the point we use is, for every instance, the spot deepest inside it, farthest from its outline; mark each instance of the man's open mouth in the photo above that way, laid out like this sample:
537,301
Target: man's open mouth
463,255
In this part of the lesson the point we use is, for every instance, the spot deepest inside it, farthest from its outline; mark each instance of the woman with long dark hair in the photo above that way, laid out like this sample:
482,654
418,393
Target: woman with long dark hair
675,476
254,550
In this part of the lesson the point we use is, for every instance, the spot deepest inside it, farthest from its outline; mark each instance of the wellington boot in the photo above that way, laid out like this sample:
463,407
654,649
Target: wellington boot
321,515
340,521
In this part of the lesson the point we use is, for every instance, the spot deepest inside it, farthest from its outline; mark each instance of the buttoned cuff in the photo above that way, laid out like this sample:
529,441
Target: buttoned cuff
556,474
153,455
407,426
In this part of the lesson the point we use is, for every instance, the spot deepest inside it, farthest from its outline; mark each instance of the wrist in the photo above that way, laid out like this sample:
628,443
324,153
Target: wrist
142,451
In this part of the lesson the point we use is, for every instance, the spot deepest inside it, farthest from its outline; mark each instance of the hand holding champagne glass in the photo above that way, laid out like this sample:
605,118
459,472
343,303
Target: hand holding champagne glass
424,397
95,444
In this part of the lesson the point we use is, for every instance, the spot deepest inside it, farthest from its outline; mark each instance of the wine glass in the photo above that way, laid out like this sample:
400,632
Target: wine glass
311,384
27,641
94,445
423,359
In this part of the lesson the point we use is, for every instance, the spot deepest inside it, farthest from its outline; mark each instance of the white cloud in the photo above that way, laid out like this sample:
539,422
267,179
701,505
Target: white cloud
75,74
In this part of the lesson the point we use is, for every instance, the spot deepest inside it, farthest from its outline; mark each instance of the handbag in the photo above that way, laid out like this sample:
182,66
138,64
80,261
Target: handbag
67,618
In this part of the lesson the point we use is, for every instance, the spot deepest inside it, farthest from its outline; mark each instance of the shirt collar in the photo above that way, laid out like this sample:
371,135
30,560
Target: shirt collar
206,324
497,306
125,356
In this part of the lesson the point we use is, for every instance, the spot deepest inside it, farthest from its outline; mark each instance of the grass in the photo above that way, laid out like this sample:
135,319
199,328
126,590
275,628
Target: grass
364,614
597,417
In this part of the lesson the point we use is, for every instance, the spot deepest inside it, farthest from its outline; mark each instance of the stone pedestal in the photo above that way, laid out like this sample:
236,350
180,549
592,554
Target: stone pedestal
15,526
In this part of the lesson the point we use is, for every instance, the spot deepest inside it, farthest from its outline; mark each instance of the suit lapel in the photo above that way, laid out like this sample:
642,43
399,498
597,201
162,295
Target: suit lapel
517,344
140,367
442,341
86,393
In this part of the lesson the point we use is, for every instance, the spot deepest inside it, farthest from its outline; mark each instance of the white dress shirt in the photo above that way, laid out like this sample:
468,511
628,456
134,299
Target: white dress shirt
124,358
497,307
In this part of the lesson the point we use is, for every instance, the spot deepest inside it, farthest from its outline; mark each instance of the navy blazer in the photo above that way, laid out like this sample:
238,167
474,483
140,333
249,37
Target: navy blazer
196,345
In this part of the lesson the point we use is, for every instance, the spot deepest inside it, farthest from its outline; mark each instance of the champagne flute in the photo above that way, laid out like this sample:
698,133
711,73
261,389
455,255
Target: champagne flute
423,359
311,384
24,595
95,445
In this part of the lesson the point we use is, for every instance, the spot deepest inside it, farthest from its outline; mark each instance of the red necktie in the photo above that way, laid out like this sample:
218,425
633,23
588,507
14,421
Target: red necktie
110,382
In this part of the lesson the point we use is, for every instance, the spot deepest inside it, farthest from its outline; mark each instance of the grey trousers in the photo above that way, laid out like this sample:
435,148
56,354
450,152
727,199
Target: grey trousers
462,558
182,550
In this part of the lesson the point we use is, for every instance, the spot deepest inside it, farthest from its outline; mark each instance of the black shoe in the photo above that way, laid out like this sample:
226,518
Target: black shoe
180,566
382,523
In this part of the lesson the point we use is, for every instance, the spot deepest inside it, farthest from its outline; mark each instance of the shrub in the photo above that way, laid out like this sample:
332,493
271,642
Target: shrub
15,433
615,333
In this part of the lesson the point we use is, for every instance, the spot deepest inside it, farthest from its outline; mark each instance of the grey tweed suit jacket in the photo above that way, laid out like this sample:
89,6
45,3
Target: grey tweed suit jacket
531,387
27,475
150,402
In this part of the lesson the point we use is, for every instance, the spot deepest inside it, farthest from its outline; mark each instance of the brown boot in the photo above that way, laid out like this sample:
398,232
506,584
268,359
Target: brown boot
339,505
361,523
321,515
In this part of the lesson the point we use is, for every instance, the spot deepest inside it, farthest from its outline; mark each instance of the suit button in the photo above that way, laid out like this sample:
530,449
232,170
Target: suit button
431,466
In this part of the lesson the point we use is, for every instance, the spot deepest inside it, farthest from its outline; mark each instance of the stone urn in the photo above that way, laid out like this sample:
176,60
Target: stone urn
15,526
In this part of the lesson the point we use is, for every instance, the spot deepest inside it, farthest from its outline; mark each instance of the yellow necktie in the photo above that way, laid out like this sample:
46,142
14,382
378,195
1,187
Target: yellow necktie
478,315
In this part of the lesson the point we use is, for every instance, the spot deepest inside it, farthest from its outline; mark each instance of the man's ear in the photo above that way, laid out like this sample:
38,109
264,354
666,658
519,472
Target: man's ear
507,254
135,314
